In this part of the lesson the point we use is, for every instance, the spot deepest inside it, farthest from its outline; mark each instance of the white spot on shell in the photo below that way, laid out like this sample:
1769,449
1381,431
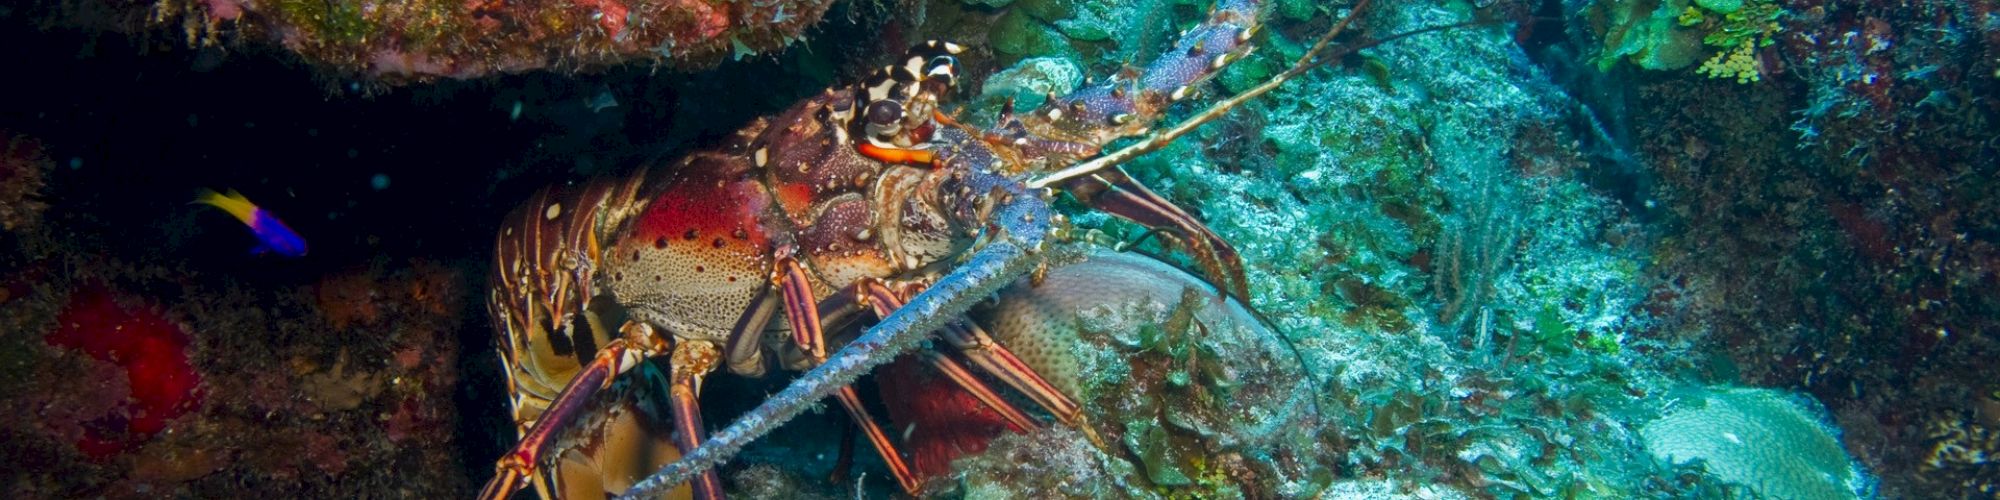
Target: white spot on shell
554,211
760,156
1179,93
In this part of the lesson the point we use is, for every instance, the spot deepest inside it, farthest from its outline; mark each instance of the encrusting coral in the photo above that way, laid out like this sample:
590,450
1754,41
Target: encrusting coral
397,41
22,166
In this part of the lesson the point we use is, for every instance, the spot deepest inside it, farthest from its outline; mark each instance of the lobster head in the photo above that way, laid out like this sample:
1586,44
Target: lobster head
899,100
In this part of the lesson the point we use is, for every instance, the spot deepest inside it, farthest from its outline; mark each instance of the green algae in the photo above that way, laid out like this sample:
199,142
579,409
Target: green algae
329,23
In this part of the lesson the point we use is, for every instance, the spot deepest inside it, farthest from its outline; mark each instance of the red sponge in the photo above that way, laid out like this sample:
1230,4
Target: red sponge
943,422
151,350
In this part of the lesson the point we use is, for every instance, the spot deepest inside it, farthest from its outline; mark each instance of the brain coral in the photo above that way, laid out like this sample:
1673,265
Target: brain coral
1758,438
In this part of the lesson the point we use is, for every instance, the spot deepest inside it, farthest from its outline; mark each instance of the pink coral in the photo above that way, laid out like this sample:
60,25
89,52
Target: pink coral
224,10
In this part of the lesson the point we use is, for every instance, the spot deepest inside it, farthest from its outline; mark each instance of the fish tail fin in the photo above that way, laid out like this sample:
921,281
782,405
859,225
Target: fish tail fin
204,196
234,203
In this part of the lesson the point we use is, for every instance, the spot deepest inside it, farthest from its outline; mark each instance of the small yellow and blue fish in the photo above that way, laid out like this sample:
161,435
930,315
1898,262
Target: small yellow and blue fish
272,234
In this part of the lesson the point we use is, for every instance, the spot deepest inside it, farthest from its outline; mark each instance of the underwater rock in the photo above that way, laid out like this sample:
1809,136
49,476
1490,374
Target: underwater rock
1017,33
1959,445
151,354
1030,81
22,166
767,481
1759,438
1207,399
1646,33
1764,191
1055,463
154,417
417,40
1673,34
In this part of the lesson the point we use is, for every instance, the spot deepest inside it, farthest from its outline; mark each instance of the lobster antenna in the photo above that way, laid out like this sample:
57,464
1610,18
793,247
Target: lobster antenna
1159,140
998,263
1305,63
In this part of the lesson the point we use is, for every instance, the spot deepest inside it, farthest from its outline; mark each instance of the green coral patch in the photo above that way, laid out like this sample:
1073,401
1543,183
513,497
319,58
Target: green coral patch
1649,34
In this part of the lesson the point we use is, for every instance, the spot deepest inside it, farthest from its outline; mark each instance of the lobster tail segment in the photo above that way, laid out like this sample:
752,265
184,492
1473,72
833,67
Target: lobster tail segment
1128,105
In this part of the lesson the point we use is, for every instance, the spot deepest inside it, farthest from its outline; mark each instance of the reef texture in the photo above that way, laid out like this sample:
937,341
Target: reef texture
1193,392
1830,226
399,41
139,342
142,380
1758,438
22,166
1502,253
1416,229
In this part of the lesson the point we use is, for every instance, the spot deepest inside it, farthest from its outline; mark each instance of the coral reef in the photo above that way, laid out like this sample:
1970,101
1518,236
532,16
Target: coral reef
1759,438
150,353
1673,34
1831,230
22,166
1473,312
1959,445
1650,34
401,41
230,389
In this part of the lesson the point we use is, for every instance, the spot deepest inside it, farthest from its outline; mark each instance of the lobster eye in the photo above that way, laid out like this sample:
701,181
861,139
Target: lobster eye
884,112
942,67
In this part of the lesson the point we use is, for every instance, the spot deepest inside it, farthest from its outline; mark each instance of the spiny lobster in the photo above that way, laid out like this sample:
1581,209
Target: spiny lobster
861,200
